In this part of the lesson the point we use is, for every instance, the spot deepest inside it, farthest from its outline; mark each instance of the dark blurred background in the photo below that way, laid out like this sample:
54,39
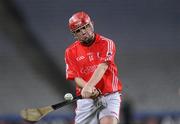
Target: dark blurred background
34,35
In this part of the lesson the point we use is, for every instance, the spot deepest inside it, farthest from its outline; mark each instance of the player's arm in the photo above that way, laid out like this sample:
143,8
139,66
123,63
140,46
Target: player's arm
107,58
88,89
71,66
98,74
80,82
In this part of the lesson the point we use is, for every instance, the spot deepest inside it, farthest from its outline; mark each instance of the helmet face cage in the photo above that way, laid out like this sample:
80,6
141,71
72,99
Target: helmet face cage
82,27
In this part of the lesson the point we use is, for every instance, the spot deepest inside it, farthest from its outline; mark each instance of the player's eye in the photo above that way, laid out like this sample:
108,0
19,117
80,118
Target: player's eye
87,26
77,31
84,27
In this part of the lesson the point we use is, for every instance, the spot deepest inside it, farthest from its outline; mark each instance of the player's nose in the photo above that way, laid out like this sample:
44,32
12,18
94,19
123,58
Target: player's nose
83,31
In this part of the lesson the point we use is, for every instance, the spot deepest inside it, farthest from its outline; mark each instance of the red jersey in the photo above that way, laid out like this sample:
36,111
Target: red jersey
81,61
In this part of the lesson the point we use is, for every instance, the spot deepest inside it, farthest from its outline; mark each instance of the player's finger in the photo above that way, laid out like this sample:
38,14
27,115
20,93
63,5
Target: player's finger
85,94
95,94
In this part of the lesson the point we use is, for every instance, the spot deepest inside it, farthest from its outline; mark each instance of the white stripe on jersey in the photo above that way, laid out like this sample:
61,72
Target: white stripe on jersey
114,80
116,83
67,67
110,45
109,50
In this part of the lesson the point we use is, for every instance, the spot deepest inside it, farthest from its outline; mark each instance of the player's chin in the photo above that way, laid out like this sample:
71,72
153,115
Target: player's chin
85,40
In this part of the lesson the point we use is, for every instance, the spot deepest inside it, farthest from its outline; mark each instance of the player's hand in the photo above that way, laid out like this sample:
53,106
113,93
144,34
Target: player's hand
95,93
87,91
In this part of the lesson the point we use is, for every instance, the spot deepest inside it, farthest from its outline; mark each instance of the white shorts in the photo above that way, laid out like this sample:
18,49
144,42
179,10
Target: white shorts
90,111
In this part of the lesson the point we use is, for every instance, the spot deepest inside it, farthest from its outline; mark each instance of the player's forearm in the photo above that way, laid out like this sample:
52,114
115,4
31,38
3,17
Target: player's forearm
80,82
98,74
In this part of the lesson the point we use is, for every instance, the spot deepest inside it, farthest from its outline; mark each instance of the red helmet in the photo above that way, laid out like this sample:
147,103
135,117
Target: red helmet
78,19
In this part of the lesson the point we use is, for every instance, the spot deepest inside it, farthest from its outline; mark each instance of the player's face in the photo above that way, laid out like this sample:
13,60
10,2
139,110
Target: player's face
84,33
